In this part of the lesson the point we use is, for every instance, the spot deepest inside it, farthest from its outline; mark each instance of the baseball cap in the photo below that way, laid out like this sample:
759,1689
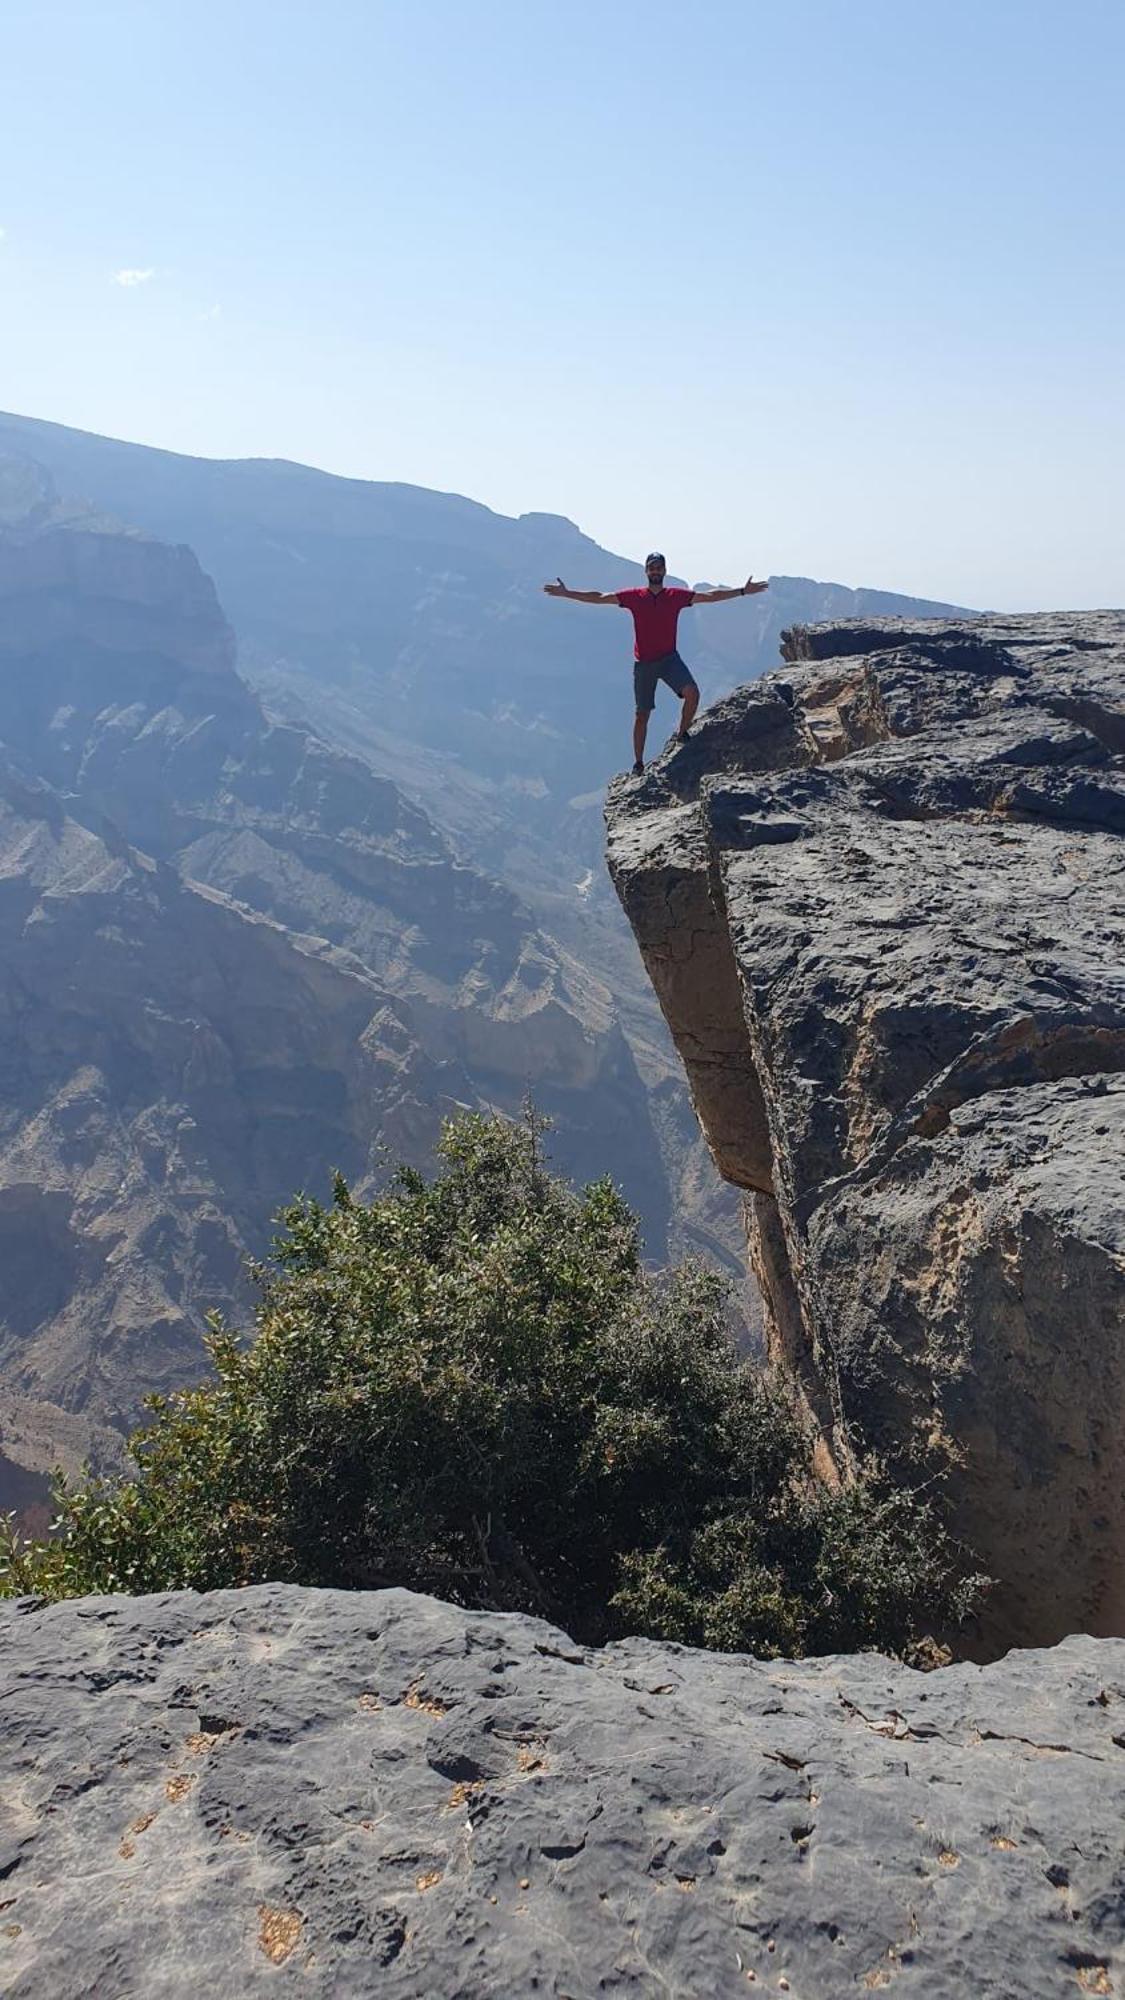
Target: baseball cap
655,557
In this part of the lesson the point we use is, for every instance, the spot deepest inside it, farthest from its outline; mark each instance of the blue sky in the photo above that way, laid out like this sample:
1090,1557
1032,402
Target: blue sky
827,289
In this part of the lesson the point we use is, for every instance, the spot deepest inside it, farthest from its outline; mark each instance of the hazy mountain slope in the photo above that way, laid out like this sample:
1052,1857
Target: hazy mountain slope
119,690
419,618
410,626
170,1066
231,959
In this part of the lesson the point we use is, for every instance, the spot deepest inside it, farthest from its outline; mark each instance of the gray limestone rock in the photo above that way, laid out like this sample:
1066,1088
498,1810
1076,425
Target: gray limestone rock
324,1793
881,897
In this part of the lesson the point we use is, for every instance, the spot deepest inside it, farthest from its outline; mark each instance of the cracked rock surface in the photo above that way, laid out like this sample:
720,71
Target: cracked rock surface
881,897
326,1792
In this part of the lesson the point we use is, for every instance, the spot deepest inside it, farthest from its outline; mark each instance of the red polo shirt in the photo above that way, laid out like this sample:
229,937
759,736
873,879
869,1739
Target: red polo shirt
655,615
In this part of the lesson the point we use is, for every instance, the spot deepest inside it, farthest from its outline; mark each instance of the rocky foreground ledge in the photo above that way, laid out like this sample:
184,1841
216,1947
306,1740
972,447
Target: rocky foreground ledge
326,1793
881,896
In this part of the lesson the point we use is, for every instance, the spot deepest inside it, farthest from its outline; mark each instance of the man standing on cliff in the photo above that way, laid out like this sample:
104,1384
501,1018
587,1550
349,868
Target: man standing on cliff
656,612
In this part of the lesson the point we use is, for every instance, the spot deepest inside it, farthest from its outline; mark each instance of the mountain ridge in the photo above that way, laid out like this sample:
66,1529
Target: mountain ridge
374,625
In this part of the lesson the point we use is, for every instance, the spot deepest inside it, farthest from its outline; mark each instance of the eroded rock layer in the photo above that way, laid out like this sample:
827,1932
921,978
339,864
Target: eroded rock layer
881,896
372,1793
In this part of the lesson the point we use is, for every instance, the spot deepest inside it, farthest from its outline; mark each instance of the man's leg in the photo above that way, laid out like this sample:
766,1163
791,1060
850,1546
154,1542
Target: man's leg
644,697
687,712
681,680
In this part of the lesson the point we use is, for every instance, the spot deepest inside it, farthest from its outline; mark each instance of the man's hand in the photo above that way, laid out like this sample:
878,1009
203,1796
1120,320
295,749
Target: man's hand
747,589
559,589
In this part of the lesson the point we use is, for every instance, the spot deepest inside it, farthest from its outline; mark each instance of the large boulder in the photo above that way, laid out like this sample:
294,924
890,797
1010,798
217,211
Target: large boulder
881,896
326,1793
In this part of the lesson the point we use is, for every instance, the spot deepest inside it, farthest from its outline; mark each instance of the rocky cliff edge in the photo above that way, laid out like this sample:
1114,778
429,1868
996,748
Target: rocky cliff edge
881,897
322,1792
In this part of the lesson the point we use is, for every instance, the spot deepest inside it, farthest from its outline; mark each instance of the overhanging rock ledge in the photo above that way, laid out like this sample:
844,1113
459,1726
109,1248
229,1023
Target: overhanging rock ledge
881,896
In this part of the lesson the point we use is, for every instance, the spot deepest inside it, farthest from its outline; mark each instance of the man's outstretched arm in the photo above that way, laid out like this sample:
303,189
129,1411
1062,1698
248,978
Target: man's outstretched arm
747,589
559,589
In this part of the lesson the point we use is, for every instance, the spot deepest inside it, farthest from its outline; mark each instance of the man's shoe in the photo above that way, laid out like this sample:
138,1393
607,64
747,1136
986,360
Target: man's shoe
638,769
682,735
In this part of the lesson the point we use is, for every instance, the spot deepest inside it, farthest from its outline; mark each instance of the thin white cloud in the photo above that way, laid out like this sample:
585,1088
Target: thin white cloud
212,312
3,233
131,278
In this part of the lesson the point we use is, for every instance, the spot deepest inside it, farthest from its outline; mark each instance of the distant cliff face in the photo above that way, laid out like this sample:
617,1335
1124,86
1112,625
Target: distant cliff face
231,960
881,896
169,1064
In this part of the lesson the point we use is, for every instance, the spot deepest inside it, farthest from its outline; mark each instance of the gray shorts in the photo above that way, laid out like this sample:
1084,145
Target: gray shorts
670,669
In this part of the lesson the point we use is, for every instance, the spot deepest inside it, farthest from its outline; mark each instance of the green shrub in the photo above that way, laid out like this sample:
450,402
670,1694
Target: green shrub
470,1387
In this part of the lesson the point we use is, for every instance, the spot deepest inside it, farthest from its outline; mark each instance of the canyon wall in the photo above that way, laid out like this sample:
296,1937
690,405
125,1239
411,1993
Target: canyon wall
232,959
